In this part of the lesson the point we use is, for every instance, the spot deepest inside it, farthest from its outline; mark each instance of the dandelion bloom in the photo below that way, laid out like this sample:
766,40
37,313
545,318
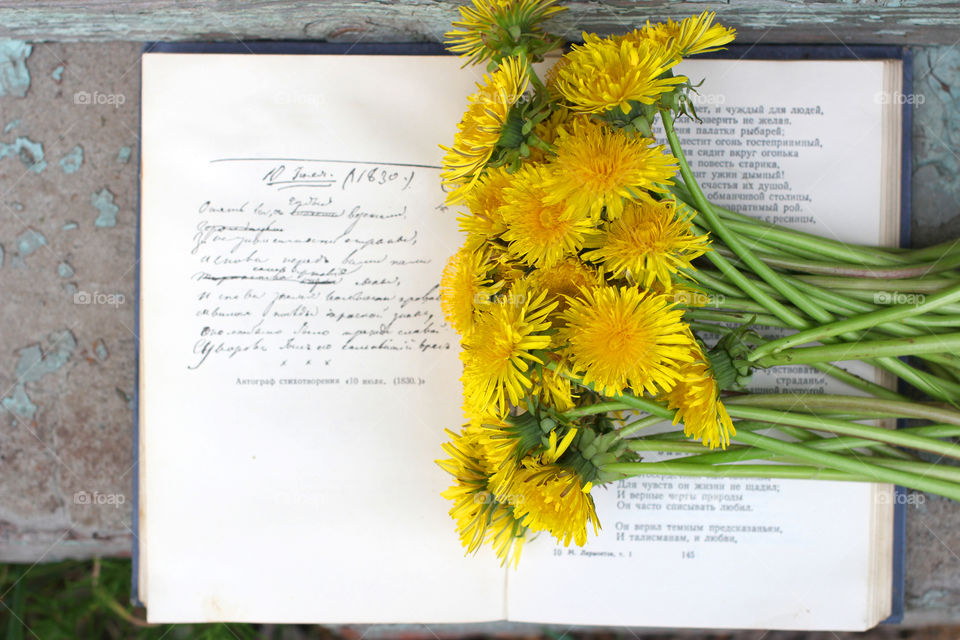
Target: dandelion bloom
465,282
540,233
603,74
482,125
478,515
696,397
498,353
490,26
689,37
554,499
650,241
623,338
599,167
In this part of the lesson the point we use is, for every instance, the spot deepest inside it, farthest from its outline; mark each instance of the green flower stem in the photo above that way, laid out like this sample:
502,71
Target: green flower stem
591,409
823,268
852,465
928,384
868,407
834,371
852,379
749,288
709,315
935,251
866,321
671,446
826,444
903,285
643,423
732,241
813,246
859,271
894,347
706,278
843,427
798,239
832,443
628,469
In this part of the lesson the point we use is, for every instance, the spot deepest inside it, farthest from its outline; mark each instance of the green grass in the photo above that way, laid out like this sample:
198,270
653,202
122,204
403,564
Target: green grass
89,599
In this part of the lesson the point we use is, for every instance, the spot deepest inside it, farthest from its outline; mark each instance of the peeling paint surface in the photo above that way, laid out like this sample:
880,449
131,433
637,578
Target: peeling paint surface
29,241
103,202
123,155
19,403
14,76
64,270
57,74
13,124
72,160
29,152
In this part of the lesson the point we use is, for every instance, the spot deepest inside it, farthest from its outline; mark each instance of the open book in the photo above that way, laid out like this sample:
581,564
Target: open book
296,373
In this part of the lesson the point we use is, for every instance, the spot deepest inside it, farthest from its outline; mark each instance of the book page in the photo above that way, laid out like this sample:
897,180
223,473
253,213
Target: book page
797,143
297,373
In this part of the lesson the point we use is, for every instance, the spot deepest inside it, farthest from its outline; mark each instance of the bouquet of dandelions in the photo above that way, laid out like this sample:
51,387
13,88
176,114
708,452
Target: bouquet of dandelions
575,298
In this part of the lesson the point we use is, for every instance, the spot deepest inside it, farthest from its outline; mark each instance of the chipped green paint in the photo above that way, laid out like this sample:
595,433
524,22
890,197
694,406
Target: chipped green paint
70,225
103,202
64,270
14,76
123,155
29,152
72,160
1,256
72,290
57,74
100,348
29,241
19,404
13,124
33,364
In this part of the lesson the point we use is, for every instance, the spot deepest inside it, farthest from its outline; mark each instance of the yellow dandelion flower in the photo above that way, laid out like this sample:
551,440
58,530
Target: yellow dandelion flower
548,130
689,37
696,397
491,26
483,201
604,74
478,515
554,499
482,125
597,166
563,279
650,241
465,283
538,233
497,354
625,338
553,389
